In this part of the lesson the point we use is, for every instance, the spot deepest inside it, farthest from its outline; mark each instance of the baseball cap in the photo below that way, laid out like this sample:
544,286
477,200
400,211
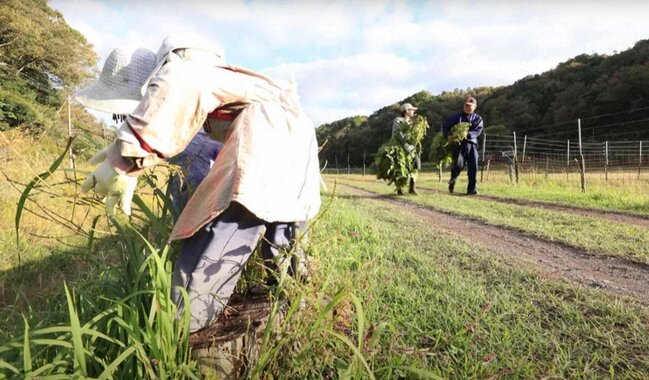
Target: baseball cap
471,100
407,106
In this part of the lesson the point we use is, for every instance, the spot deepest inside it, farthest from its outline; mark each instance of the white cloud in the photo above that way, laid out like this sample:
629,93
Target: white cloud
355,57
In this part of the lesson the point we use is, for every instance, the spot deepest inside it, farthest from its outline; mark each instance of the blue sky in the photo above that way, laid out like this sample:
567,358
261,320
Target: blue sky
354,57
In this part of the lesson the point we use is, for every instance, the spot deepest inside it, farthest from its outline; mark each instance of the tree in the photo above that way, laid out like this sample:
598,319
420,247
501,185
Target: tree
40,52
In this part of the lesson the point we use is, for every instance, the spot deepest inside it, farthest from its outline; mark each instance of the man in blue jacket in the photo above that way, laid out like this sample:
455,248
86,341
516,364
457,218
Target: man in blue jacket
465,153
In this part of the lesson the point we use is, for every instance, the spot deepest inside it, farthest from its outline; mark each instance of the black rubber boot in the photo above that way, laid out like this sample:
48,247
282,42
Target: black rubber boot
412,189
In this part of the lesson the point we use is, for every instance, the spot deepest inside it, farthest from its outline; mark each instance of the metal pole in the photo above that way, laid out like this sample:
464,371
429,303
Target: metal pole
524,146
567,159
582,162
606,162
74,172
515,148
640,159
515,158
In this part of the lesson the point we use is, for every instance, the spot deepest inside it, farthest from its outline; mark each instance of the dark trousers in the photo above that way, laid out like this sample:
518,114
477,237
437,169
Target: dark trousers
465,154
211,261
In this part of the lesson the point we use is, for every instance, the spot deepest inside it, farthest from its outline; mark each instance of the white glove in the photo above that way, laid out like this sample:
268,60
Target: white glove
409,148
115,187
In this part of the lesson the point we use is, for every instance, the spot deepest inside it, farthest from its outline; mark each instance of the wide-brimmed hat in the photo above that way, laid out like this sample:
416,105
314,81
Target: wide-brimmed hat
172,43
117,89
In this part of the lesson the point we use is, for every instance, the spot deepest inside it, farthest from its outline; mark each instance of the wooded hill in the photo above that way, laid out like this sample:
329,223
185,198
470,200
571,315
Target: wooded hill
610,94
42,60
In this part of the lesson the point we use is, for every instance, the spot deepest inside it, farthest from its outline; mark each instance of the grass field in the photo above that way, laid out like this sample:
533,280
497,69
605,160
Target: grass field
390,297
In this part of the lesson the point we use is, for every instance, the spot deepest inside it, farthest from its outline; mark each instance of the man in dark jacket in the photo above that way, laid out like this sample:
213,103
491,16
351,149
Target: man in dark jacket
465,153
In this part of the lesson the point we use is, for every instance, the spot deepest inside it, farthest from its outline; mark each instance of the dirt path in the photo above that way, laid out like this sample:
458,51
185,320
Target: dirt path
553,260
617,216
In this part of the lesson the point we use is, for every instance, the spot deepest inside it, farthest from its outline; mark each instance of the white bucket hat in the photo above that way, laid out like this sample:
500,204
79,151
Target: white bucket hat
172,43
117,90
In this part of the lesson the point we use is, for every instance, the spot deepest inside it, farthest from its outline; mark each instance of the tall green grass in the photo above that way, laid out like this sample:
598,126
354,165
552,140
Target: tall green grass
126,327
415,303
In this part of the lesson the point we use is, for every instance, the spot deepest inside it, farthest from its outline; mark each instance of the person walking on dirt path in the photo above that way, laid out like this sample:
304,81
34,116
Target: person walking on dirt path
264,183
466,152
399,124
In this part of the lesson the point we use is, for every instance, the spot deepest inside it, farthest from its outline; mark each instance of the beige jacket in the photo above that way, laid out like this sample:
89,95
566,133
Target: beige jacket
269,160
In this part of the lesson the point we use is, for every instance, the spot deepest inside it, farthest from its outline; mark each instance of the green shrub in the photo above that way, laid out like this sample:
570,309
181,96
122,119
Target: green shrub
17,111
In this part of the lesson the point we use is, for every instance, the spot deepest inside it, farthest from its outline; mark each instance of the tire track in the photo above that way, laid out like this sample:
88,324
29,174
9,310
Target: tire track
616,216
612,274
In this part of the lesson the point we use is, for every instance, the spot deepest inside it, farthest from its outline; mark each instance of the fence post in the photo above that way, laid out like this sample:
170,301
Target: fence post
606,161
440,171
363,163
515,158
524,146
70,136
640,159
547,165
336,157
348,163
567,160
582,162
484,146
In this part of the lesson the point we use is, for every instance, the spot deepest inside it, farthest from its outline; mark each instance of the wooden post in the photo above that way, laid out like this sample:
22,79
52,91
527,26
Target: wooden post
640,159
606,161
363,163
227,348
336,158
348,169
567,159
440,171
582,162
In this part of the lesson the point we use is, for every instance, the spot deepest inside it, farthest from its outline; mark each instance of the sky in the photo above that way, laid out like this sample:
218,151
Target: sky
354,57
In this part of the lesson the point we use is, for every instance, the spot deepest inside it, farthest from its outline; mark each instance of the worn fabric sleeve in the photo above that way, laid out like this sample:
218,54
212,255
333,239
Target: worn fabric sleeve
177,102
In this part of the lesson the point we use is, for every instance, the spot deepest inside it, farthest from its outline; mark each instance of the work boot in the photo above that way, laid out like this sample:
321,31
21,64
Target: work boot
451,186
412,189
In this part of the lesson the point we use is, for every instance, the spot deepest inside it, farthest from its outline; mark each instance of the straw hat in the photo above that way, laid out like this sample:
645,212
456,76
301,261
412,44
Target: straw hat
117,90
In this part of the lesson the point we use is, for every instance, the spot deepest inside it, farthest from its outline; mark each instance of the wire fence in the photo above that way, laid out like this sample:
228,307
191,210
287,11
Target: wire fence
527,159
511,159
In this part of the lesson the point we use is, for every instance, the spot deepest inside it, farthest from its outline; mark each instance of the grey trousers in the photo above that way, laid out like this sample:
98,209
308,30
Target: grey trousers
211,261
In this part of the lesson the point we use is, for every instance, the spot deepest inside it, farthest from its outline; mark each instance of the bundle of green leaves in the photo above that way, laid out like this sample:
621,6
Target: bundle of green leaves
441,150
394,163
415,132
460,131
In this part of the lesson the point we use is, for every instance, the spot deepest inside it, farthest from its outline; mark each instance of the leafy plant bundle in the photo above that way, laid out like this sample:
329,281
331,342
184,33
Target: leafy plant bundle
393,162
460,131
441,151
416,131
